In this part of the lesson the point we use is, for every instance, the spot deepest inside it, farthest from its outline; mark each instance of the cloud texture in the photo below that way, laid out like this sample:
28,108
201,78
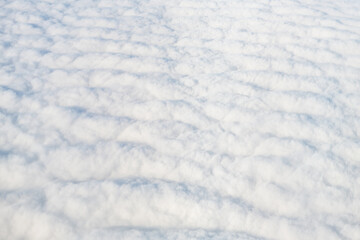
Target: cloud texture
179,119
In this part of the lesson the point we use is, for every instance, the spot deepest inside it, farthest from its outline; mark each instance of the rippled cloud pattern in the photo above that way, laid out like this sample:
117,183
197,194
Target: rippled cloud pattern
179,119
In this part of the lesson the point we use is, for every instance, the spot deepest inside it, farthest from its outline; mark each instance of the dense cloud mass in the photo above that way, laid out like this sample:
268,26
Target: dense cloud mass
179,119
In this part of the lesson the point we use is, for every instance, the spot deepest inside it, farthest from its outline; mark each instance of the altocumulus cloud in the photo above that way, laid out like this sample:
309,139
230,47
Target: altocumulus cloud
179,119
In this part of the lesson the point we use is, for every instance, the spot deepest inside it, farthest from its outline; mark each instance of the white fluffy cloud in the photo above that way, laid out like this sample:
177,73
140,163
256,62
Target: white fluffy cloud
179,119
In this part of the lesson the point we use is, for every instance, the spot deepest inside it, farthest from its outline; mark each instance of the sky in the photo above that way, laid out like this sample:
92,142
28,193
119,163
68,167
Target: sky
179,119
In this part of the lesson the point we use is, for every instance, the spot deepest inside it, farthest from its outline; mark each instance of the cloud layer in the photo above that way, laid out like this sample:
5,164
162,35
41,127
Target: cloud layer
179,119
